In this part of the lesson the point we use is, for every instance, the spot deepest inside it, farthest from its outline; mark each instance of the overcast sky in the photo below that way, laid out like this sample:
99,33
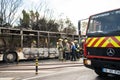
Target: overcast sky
76,9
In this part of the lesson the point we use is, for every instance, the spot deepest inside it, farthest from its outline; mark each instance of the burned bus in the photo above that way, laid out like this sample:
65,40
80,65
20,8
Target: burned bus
26,44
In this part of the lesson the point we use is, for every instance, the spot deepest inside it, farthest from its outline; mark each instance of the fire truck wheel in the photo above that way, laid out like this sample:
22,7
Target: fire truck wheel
9,57
100,73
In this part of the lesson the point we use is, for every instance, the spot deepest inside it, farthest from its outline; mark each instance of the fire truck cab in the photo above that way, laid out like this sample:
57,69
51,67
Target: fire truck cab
102,44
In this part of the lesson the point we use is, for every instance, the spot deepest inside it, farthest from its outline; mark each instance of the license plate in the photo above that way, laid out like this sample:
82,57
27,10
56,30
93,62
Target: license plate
112,71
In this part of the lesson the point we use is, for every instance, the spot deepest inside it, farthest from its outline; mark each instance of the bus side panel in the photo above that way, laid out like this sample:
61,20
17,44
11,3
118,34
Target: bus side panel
43,52
53,52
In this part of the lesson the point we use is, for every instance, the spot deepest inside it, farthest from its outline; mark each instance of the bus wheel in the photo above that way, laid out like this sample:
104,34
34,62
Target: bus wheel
9,57
100,73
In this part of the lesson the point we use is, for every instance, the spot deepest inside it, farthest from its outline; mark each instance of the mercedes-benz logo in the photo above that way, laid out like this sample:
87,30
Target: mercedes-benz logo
110,52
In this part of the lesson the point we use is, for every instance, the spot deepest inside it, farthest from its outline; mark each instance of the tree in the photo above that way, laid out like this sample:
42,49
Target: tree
66,26
69,27
61,25
69,30
32,19
24,23
41,25
52,26
8,9
37,16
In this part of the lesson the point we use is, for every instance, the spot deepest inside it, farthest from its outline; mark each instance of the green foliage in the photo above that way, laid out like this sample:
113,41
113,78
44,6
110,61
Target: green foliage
24,23
67,26
33,21
41,25
52,26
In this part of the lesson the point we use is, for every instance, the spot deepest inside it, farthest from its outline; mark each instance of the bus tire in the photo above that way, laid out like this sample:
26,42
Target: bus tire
10,57
100,73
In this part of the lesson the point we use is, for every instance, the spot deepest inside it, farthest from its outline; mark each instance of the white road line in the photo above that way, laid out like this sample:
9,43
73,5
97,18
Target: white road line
9,78
55,73
28,71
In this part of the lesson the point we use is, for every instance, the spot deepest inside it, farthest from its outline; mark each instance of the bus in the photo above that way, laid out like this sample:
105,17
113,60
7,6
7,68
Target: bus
18,44
102,45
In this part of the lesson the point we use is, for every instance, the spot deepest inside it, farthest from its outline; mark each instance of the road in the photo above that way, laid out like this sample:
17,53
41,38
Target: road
71,73
49,70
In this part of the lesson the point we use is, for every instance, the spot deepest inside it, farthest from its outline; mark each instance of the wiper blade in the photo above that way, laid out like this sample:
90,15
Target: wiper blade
96,34
115,31
107,33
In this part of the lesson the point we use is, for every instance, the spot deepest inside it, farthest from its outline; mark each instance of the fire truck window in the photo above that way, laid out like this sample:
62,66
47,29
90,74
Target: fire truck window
118,27
97,26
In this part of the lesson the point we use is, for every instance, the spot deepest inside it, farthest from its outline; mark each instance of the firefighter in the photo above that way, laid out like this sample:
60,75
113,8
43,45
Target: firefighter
60,48
67,50
77,52
33,44
73,50
82,45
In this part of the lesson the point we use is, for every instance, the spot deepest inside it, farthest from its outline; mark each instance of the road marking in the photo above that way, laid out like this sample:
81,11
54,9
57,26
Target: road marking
55,73
28,71
7,78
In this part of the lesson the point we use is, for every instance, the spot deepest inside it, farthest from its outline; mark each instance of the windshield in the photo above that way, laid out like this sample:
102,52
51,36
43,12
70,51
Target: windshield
104,23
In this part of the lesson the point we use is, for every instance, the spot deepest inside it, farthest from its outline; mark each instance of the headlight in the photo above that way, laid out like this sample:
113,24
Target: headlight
87,62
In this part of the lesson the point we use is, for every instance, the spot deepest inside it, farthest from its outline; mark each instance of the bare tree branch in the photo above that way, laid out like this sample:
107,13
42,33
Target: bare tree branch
8,9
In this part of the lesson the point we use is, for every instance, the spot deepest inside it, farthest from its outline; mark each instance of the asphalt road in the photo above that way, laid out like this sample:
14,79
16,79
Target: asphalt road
50,70
72,73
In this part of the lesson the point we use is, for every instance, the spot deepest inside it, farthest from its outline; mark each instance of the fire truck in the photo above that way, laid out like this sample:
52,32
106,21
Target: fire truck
102,43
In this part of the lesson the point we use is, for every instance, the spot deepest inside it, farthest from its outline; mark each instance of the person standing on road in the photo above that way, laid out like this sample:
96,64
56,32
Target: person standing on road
73,50
60,48
67,49
77,52
81,44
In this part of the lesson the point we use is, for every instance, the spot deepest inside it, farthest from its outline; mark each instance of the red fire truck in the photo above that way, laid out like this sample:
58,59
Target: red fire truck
102,44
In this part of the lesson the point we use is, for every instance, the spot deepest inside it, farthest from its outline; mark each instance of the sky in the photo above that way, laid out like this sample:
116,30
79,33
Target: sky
75,9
